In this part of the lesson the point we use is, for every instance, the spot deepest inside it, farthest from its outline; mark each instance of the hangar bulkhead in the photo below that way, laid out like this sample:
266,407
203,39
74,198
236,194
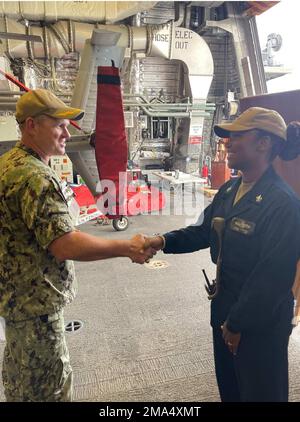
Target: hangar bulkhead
183,67
141,333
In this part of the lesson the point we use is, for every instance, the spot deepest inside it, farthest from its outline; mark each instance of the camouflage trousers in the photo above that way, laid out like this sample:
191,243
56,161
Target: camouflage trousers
36,365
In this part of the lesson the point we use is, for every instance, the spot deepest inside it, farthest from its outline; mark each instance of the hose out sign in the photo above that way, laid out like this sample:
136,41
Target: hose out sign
160,39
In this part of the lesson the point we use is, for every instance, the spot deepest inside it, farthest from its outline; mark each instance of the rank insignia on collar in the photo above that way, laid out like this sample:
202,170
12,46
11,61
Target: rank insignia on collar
258,198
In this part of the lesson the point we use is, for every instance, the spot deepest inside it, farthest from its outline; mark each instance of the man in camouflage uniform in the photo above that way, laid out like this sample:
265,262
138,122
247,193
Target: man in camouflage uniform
38,242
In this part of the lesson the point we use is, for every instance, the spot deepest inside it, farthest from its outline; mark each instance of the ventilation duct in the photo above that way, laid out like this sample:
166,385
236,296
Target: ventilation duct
109,42
168,41
88,11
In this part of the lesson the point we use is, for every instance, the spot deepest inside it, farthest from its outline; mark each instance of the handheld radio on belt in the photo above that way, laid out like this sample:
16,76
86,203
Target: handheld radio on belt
218,224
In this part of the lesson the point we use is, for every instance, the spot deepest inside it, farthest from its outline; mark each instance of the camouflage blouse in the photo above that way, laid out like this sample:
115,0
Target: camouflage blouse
33,212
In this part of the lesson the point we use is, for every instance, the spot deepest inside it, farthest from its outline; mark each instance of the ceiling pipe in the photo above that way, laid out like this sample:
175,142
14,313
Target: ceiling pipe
88,11
179,13
175,114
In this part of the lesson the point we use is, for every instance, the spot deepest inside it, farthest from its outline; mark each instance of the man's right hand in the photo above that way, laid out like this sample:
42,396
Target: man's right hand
140,250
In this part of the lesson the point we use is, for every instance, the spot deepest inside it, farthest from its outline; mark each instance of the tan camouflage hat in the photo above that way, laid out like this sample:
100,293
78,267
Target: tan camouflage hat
254,118
42,101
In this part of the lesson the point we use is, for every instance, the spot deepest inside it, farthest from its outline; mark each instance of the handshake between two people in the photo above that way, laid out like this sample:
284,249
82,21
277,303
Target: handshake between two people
142,248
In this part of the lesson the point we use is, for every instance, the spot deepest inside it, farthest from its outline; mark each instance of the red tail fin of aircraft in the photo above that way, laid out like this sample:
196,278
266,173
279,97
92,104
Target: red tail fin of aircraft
110,142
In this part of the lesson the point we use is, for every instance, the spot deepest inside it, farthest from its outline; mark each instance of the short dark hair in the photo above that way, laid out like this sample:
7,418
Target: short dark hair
277,143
